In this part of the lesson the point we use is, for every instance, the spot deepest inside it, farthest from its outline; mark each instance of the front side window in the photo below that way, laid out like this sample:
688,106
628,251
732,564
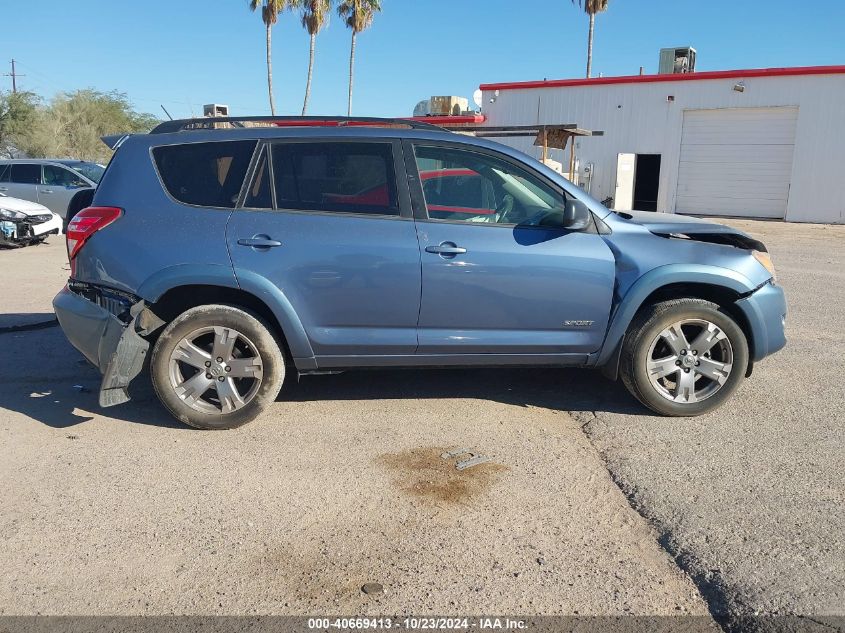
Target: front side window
61,177
205,174
465,186
335,177
5,173
26,174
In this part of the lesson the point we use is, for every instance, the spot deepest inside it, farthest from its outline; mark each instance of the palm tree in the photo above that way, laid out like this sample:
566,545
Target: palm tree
315,14
591,7
358,16
270,10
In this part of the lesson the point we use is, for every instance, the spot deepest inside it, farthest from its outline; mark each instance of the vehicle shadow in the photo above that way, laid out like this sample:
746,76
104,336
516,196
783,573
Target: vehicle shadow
15,322
45,379
52,383
550,388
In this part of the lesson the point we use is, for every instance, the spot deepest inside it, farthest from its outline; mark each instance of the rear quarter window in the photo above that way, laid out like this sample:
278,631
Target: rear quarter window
204,174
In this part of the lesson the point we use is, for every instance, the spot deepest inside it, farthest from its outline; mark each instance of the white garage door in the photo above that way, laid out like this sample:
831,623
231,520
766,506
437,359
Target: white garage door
736,162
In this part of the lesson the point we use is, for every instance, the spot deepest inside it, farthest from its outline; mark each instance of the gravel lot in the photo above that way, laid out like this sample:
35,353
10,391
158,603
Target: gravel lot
590,505
751,499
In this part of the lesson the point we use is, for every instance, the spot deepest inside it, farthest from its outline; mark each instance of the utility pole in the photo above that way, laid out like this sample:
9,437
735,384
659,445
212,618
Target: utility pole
14,75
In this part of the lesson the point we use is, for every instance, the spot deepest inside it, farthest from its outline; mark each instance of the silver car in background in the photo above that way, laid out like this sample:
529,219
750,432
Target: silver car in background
52,183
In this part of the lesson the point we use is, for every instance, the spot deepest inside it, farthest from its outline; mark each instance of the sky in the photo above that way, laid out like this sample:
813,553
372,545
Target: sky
182,54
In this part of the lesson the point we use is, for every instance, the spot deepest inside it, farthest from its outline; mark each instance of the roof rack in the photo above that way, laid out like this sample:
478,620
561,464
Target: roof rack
210,123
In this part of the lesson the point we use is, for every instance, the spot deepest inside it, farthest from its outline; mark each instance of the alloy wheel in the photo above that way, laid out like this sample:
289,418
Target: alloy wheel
690,361
216,370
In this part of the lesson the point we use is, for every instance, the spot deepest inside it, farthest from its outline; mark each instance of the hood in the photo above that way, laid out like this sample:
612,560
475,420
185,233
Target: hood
24,206
670,225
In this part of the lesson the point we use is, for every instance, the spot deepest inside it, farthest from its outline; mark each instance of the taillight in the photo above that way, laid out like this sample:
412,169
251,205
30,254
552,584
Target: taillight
87,222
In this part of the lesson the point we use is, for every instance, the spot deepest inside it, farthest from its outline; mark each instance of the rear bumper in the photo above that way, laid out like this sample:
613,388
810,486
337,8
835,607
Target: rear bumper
109,343
765,311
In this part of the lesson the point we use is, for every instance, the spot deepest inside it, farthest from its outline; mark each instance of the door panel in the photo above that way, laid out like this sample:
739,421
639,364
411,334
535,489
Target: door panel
55,198
347,259
507,279
354,282
513,290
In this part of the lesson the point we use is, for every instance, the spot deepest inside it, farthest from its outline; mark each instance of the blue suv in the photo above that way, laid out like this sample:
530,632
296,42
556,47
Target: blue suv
243,251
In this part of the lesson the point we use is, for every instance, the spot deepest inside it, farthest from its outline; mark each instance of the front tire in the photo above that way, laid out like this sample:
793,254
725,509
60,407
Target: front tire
217,367
684,357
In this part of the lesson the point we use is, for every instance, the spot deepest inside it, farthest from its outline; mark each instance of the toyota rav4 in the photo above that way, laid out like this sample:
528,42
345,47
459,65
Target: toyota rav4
238,253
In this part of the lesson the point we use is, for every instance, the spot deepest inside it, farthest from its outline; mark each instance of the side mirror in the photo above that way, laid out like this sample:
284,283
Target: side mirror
576,215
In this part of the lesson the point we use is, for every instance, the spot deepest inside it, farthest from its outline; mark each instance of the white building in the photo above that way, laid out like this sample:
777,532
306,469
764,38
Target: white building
749,143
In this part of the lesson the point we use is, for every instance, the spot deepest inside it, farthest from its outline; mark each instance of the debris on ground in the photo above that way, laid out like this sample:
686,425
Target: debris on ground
372,588
474,458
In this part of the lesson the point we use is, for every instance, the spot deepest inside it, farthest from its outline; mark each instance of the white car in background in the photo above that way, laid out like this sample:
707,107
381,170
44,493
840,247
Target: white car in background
23,222
55,183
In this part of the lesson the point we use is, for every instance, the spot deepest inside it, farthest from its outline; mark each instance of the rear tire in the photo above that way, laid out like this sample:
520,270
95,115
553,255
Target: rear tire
217,367
663,367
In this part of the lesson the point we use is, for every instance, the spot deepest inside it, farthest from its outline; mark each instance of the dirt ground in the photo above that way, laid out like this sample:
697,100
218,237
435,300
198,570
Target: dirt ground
589,505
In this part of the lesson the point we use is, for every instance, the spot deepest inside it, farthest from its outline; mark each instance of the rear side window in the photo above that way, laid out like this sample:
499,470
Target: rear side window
204,174
26,174
5,173
335,177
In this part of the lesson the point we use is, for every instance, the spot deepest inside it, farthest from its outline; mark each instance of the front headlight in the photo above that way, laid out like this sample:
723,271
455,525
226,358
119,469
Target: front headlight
8,214
766,260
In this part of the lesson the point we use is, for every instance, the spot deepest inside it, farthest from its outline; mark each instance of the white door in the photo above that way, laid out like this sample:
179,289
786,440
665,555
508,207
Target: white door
623,197
58,186
736,162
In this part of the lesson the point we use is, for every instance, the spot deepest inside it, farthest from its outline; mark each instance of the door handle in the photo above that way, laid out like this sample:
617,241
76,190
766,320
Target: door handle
446,249
46,191
262,242
4,188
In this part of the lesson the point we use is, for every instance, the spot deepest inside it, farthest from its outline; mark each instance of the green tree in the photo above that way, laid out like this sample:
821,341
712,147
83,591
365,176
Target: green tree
270,10
358,16
71,126
591,7
315,15
19,113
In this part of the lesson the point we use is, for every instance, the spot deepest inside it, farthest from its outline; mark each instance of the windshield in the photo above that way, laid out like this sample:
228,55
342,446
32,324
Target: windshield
92,171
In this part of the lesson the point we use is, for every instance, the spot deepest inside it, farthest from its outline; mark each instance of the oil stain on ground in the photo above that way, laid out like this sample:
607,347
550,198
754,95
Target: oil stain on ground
422,473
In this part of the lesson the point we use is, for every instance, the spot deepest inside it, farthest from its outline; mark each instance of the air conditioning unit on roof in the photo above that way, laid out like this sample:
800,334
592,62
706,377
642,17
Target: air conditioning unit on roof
446,106
680,59
215,109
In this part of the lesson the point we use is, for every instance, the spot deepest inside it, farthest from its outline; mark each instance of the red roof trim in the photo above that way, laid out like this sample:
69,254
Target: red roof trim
462,119
465,119
319,123
635,79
